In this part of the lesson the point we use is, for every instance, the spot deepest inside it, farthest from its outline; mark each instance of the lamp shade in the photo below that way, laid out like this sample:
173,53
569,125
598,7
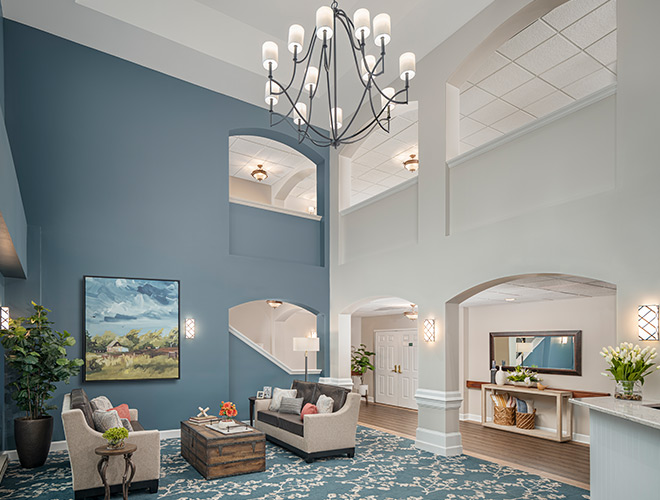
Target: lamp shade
311,344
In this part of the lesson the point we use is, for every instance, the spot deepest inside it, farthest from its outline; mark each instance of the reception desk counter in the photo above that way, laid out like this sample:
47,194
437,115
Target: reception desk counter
625,448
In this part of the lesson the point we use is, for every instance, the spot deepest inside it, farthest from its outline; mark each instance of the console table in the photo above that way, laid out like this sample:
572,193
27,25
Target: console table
564,411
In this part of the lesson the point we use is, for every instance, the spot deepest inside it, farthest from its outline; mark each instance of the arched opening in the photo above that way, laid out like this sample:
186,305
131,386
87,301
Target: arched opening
268,173
270,326
526,308
387,327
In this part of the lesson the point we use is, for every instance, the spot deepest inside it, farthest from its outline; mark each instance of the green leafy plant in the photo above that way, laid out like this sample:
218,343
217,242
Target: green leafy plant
360,362
115,435
37,354
521,374
629,363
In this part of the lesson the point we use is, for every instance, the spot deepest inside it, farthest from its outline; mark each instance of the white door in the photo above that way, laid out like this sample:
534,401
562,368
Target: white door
396,367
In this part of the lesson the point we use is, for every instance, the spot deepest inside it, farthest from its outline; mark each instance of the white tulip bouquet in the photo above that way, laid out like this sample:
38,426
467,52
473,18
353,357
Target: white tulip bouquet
628,362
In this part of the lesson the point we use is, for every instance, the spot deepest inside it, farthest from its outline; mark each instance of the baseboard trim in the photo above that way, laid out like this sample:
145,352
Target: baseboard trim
578,438
439,443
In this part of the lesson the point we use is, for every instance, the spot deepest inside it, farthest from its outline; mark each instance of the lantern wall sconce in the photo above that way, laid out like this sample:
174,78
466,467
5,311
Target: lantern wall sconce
190,328
4,318
647,322
429,330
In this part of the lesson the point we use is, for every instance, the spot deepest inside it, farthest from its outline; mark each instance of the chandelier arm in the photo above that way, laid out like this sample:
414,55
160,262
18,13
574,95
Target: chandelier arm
350,123
300,132
358,136
349,27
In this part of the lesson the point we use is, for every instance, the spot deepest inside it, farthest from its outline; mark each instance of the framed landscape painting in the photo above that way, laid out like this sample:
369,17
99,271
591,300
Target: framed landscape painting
131,329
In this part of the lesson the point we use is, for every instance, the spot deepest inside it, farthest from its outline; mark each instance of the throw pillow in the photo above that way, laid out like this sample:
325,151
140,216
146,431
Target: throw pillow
291,405
278,394
104,420
324,404
100,404
127,424
309,409
122,411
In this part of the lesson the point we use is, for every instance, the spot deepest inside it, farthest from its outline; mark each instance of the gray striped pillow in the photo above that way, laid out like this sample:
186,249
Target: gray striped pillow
291,405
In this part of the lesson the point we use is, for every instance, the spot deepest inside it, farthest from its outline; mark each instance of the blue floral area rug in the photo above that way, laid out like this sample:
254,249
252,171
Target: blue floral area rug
384,467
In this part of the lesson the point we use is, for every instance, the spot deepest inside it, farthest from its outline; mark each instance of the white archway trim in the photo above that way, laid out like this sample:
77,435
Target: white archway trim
269,356
293,181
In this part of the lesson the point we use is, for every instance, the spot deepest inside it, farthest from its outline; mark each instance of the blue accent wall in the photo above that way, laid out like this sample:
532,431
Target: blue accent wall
124,172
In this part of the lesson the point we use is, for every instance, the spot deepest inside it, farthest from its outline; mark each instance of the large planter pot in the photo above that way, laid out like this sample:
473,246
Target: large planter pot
33,437
362,389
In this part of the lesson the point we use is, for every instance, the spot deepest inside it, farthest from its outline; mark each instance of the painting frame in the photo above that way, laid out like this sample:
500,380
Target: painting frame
171,351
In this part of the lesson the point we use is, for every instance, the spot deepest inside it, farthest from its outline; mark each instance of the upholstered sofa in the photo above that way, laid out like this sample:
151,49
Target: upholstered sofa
317,435
82,439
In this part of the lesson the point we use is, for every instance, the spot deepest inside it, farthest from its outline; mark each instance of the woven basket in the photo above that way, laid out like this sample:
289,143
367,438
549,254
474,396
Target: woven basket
525,420
503,415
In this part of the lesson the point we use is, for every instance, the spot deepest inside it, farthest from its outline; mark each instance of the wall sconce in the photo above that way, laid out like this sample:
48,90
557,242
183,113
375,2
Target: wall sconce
429,330
190,328
4,318
647,322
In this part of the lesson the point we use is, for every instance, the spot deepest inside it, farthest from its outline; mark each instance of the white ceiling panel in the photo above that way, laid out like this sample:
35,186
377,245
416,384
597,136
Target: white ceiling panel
571,70
593,26
550,53
505,79
535,34
549,104
569,12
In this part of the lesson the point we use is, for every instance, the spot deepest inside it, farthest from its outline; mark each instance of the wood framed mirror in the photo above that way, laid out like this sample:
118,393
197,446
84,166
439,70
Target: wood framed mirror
558,352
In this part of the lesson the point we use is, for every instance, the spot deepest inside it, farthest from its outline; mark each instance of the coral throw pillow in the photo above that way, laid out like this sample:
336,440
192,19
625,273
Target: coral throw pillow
308,409
122,411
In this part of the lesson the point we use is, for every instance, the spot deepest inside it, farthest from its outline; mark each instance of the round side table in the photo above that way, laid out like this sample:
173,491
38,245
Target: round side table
105,455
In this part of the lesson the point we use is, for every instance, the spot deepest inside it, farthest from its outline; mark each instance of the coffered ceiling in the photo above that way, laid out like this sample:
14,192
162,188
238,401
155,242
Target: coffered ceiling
566,55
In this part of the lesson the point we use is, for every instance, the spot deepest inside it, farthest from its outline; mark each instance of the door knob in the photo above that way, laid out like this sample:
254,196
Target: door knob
394,369
400,369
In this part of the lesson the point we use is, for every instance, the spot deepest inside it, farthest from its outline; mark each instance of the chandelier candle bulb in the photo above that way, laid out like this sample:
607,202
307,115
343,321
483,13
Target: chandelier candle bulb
361,20
337,115
272,89
407,65
388,93
324,20
296,38
311,78
301,115
367,64
382,29
269,54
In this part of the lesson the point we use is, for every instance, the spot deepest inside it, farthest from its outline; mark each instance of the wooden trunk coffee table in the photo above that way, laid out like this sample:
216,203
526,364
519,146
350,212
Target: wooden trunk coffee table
217,455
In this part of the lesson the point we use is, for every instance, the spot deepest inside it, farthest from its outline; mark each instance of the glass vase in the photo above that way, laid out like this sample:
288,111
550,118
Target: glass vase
630,390
115,445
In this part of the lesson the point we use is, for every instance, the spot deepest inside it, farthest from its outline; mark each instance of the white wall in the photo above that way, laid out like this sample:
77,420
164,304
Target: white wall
249,190
604,235
274,329
595,316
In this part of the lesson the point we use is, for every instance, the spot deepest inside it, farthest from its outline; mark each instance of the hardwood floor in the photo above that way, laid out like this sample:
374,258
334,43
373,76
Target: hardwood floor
566,462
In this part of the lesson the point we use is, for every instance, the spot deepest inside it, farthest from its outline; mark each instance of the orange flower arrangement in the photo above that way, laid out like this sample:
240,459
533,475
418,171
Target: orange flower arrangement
228,409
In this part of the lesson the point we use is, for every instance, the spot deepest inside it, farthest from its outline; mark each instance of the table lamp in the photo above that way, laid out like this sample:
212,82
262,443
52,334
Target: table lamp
306,344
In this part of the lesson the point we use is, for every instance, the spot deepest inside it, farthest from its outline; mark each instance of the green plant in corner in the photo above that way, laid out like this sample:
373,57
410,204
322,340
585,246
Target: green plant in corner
36,357
37,354
361,362
115,437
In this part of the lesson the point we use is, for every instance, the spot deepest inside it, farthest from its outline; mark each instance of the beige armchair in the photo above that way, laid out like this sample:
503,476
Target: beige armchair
81,440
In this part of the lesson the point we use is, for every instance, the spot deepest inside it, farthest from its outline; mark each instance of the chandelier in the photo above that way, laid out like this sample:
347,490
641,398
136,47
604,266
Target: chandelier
259,173
319,69
412,314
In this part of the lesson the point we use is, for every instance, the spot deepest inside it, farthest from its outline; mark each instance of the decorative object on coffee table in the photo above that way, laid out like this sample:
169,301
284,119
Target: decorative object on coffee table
227,410
115,437
37,355
203,417
629,365
141,341
217,455
102,466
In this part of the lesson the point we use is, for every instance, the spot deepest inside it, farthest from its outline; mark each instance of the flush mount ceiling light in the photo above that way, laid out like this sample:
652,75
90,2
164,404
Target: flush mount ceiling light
412,314
320,70
412,164
274,303
259,173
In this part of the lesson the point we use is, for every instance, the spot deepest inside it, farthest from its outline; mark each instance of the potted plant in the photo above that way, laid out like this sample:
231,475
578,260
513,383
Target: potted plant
523,376
37,356
629,366
115,437
360,363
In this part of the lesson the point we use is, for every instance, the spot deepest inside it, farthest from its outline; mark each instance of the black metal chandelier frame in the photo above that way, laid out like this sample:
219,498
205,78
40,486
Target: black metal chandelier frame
328,64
